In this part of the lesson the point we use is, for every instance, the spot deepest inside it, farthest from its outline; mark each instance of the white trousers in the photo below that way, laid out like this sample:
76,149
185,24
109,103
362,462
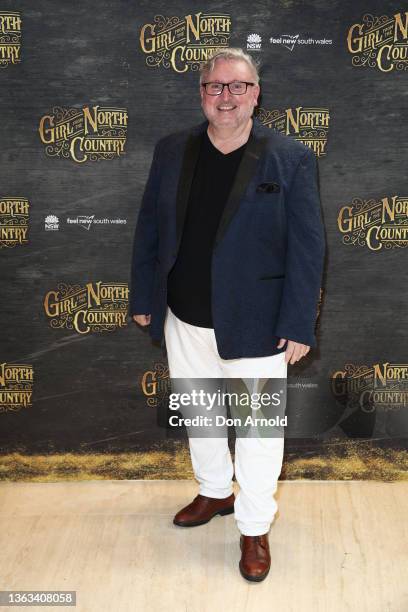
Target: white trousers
192,353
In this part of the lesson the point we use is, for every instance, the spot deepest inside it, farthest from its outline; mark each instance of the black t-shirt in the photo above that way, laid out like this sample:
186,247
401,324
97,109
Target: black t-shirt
189,281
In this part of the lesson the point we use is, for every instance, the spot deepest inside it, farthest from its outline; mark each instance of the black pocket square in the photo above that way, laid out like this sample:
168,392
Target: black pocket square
268,188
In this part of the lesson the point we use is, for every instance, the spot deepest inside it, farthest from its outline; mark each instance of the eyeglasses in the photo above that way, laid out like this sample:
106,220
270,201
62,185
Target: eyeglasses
238,88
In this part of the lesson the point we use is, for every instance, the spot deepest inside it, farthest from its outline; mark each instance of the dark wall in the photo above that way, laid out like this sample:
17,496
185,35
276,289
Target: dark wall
86,388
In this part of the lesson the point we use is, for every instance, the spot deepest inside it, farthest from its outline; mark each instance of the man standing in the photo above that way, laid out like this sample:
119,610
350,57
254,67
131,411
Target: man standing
227,266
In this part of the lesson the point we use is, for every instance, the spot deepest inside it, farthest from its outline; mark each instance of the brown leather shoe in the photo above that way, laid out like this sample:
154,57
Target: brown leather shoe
202,509
255,559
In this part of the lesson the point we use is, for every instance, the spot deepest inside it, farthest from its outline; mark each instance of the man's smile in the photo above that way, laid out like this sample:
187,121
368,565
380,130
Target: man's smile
226,107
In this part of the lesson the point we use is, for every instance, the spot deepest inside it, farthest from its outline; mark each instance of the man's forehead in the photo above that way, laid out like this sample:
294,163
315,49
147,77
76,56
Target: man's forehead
231,67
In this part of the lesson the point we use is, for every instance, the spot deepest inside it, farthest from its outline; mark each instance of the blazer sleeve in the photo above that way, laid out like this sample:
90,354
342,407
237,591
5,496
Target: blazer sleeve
145,244
304,257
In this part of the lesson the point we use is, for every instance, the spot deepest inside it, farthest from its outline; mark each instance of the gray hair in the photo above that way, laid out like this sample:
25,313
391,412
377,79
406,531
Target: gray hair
231,53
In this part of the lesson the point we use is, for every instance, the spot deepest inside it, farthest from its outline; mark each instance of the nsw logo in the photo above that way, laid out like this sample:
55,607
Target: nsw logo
254,42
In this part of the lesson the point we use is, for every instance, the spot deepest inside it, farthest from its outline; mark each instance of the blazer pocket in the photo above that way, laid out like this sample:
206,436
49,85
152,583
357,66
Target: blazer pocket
268,188
272,277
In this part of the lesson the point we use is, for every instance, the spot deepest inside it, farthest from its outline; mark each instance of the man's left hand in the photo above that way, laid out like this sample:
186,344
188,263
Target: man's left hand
294,351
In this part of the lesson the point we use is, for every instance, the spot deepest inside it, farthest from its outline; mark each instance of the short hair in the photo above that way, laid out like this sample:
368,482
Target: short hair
231,53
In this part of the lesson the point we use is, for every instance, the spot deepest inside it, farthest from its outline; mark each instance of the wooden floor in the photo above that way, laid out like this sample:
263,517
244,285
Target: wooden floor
335,547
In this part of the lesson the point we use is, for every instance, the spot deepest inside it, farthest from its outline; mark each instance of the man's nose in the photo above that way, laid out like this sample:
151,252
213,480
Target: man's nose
226,93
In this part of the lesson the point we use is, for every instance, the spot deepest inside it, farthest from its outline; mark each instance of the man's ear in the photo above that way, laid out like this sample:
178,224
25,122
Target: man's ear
257,95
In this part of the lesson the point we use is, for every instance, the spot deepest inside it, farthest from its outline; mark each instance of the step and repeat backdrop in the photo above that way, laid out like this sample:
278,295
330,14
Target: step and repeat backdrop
87,89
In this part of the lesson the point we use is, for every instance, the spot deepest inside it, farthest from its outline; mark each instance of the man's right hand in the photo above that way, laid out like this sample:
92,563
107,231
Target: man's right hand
142,319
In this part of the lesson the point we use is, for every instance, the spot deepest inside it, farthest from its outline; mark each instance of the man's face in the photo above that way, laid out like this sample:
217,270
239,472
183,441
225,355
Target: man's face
229,110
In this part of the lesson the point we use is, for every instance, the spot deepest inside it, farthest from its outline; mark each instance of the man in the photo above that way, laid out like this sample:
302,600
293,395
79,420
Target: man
227,265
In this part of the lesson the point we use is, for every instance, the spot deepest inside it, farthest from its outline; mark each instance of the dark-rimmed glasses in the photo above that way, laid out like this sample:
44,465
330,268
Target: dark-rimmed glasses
237,88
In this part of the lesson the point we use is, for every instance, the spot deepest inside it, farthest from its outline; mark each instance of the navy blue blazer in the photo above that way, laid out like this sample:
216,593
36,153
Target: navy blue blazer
269,249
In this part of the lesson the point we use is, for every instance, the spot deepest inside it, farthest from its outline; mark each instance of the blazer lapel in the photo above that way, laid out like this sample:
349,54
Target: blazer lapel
190,157
247,167
246,170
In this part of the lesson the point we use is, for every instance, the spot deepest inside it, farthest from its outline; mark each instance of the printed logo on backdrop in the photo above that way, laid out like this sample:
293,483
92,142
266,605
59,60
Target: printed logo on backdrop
155,384
87,221
307,124
51,223
254,42
10,38
380,42
381,386
14,213
84,134
375,224
184,44
290,41
16,386
96,307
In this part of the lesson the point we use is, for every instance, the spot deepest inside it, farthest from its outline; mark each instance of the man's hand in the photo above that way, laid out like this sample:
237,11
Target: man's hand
294,351
142,319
